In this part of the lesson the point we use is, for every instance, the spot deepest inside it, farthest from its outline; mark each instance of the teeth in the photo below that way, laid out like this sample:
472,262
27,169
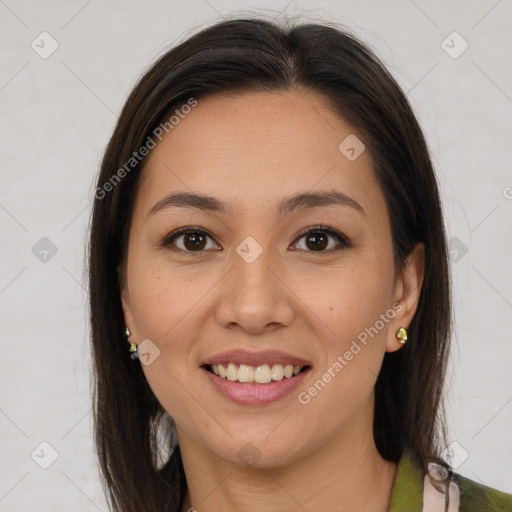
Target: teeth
245,373
232,372
277,372
261,374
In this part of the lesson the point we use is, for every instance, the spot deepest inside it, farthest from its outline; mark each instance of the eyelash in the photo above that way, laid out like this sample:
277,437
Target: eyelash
343,241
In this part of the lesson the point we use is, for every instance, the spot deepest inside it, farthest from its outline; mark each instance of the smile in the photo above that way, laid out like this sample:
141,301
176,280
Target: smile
261,374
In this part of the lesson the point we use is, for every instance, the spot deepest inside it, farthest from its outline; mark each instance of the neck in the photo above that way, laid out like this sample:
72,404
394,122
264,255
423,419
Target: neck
345,475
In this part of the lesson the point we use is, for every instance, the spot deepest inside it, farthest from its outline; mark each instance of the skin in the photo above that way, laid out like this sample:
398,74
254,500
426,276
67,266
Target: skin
251,151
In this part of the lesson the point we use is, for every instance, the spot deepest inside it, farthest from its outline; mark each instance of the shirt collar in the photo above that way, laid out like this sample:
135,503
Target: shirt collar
407,492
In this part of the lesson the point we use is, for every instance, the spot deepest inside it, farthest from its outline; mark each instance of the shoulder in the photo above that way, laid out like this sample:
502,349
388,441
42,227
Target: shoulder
475,497
462,494
440,489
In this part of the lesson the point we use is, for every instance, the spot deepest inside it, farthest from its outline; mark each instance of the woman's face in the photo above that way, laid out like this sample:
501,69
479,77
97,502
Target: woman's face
256,282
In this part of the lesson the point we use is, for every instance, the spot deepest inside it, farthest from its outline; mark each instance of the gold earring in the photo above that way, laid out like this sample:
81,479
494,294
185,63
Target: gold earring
401,335
133,349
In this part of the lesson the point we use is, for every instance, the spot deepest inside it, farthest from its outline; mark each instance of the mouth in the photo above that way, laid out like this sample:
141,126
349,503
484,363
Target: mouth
255,378
260,374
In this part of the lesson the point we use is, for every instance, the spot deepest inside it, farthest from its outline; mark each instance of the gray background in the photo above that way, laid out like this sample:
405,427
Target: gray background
56,116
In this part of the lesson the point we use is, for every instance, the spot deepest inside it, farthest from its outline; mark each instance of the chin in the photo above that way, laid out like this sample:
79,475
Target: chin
258,451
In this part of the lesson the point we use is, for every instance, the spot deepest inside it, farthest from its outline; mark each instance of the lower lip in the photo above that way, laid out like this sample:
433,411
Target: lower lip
255,394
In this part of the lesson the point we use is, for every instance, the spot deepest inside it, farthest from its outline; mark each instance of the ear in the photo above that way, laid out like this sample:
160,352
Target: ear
407,294
127,310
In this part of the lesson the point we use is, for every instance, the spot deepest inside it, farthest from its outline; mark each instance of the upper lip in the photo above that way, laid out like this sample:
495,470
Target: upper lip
242,356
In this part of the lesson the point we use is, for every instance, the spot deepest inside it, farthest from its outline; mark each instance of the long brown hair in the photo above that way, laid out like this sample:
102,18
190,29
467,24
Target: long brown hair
239,56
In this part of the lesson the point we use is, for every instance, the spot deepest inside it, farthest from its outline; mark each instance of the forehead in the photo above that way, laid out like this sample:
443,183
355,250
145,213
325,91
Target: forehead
257,148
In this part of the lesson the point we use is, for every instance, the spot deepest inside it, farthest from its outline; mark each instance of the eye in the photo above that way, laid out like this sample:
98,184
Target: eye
317,239
192,239
189,239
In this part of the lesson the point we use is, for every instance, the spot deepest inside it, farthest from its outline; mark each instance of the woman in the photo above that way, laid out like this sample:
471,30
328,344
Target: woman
267,244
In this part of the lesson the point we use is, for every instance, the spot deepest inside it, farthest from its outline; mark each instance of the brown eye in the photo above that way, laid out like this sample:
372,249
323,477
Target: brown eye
195,240
317,240
188,240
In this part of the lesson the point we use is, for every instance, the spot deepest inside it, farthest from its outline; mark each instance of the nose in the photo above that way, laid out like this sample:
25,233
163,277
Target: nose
255,297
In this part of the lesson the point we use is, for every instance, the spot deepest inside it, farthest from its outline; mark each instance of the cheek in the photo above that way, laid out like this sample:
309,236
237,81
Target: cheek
173,389
161,300
164,307
352,297
354,312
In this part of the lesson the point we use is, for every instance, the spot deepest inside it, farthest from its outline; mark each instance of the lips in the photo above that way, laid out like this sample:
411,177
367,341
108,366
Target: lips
269,357
255,378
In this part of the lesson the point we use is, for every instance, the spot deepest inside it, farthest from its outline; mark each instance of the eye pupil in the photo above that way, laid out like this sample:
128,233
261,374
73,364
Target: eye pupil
316,243
197,241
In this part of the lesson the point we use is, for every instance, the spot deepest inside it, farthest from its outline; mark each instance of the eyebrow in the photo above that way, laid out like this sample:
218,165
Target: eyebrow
288,205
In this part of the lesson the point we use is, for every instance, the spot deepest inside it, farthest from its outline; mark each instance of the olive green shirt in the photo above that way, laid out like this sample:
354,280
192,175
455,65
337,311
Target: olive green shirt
414,491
